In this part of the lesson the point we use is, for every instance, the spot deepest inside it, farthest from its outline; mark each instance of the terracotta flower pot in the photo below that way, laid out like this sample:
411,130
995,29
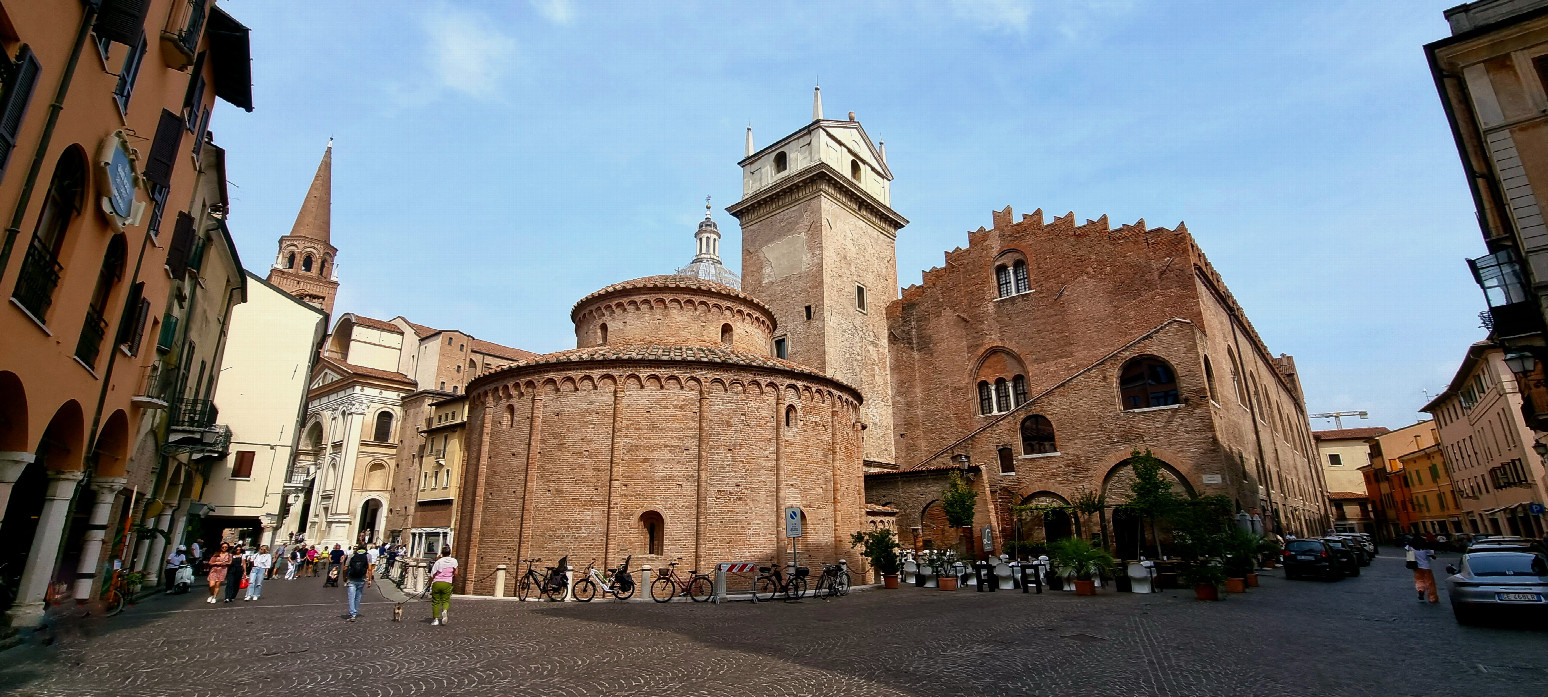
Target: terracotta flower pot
947,583
1252,580
1236,585
1085,587
1206,591
889,580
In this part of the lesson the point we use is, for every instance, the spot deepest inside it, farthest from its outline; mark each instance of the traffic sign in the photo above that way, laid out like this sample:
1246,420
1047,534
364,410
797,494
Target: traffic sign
792,521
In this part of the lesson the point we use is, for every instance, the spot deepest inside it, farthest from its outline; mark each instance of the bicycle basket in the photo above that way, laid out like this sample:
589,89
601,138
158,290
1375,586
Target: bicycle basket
803,571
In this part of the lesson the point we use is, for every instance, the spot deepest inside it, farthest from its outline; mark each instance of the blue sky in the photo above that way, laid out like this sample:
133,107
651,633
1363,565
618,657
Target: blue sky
495,162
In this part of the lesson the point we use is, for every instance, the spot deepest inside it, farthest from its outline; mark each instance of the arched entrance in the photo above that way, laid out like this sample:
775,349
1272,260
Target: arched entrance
1126,533
1129,529
934,530
38,509
369,521
1048,520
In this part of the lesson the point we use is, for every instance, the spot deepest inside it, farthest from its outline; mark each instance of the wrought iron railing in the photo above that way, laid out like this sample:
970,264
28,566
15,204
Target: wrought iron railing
92,332
193,414
39,276
155,383
189,36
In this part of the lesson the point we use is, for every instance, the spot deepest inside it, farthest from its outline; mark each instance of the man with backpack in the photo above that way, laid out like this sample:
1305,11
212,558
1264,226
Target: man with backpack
357,577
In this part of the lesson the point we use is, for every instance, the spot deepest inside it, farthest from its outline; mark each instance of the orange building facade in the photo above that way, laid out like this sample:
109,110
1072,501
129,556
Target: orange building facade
103,116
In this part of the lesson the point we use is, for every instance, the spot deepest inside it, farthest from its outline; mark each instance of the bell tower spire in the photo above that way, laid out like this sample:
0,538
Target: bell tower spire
305,265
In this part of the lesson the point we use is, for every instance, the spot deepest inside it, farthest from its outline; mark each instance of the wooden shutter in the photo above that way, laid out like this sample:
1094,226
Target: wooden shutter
122,21
194,97
13,102
131,306
242,468
163,152
181,245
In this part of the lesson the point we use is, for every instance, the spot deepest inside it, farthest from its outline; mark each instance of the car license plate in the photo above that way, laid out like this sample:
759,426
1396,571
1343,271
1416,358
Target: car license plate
1305,557
1520,597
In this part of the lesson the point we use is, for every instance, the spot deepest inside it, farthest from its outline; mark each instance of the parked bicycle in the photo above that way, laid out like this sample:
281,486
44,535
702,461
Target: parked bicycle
695,585
117,593
550,583
772,581
834,580
615,582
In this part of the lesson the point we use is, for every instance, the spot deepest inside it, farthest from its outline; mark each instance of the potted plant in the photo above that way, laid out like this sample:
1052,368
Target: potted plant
944,564
1087,562
1241,556
880,547
1268,552
1205,576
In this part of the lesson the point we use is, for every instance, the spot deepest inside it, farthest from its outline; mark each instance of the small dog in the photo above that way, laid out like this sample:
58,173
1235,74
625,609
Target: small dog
397,612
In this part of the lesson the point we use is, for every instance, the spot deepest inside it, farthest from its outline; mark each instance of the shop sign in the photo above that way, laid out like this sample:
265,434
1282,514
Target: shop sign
116,180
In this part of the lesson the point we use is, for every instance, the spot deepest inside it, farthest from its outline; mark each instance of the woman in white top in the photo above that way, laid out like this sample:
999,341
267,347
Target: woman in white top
1424,578
258,567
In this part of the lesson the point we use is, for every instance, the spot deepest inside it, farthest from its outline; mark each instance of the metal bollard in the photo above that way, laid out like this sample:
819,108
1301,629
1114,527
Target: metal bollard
499,589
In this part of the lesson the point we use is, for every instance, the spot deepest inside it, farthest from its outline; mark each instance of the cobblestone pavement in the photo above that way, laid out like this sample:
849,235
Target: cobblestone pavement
1360,636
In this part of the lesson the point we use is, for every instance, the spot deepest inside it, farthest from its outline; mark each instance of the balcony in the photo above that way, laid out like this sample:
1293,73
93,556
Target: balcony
155,383
183,38
193,414
1512,310
92,332
39,276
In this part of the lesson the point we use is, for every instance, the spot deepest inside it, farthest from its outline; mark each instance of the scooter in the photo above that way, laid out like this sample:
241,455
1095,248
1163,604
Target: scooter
182,580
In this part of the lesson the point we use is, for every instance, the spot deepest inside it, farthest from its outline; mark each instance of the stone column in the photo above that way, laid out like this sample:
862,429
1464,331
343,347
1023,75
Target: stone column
29,607
158,546
107,489
179,522
12,464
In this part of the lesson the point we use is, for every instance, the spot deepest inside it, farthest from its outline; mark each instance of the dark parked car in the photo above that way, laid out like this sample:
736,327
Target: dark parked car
1345,558
1500,583
1308,558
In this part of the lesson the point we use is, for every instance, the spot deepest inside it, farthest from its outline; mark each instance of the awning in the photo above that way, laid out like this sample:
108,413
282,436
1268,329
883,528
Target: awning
231,52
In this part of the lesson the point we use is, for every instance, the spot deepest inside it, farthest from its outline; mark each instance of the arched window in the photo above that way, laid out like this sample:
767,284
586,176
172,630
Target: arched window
95,327
790,416
1209,379
985,398
1147,381
290,260
781,163
1001,395
654,528
1002,278
322,269
854,169
472,367
1019,270
1019,389
40,267
1037,436
306,263
1007,461
383,432
602,329
725,335
1236,378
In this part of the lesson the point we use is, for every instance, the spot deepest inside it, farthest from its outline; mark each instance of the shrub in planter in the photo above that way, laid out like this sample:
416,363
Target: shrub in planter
1073,555
880,547
1205,576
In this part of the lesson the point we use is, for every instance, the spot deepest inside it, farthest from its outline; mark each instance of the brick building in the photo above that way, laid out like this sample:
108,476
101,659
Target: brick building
668,432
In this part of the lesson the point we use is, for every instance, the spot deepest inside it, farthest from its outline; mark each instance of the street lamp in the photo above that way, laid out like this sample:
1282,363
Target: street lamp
962,461
1540,448
1520,362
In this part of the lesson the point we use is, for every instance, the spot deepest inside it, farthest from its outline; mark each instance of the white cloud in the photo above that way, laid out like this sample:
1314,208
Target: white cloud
1067,18
1008,15
468,53
556,11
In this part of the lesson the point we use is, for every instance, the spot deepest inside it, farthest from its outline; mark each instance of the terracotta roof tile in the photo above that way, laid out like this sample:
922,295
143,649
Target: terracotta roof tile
673,281
373,323
419,329
1350,433
651,353
873,508
494,349
371,372
1346,495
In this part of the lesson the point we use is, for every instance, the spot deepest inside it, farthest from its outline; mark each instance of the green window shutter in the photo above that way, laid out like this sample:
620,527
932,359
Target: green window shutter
13,101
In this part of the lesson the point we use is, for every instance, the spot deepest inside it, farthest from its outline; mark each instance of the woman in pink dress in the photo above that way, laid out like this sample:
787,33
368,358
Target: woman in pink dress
218,565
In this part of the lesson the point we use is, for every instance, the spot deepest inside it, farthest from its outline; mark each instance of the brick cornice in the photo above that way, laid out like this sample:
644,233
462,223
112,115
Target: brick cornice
819,179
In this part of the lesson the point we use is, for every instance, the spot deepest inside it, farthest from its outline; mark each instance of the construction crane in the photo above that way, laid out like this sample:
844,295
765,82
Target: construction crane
1338,417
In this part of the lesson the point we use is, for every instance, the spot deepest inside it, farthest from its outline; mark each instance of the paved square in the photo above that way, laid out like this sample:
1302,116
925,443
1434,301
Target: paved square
1360,636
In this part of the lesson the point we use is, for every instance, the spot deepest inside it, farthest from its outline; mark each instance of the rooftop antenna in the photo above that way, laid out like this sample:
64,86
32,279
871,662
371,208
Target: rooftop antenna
1338,417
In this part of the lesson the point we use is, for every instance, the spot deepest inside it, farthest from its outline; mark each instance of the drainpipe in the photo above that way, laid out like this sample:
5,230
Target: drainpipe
38,155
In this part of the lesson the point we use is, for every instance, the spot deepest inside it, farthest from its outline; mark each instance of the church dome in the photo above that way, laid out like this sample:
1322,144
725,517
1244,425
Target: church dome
706,263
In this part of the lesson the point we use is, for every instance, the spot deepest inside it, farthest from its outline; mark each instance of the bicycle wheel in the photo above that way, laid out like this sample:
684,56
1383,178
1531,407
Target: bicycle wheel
842,583
701,588
553,588
765,589
524,588
623,594
796,589
662,589
113,602
585,590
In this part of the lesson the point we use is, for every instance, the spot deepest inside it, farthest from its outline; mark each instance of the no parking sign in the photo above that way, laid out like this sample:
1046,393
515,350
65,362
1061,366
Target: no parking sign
792,521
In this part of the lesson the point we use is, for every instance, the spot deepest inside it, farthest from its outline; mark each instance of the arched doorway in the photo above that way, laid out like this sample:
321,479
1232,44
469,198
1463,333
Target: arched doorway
1126,533
1133,535
934,530
60,448
1057,525
369,521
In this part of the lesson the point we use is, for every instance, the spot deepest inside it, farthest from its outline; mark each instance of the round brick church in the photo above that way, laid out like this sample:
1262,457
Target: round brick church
669,432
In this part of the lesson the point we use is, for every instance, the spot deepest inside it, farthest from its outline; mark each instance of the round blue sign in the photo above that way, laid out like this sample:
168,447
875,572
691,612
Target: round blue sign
121,181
